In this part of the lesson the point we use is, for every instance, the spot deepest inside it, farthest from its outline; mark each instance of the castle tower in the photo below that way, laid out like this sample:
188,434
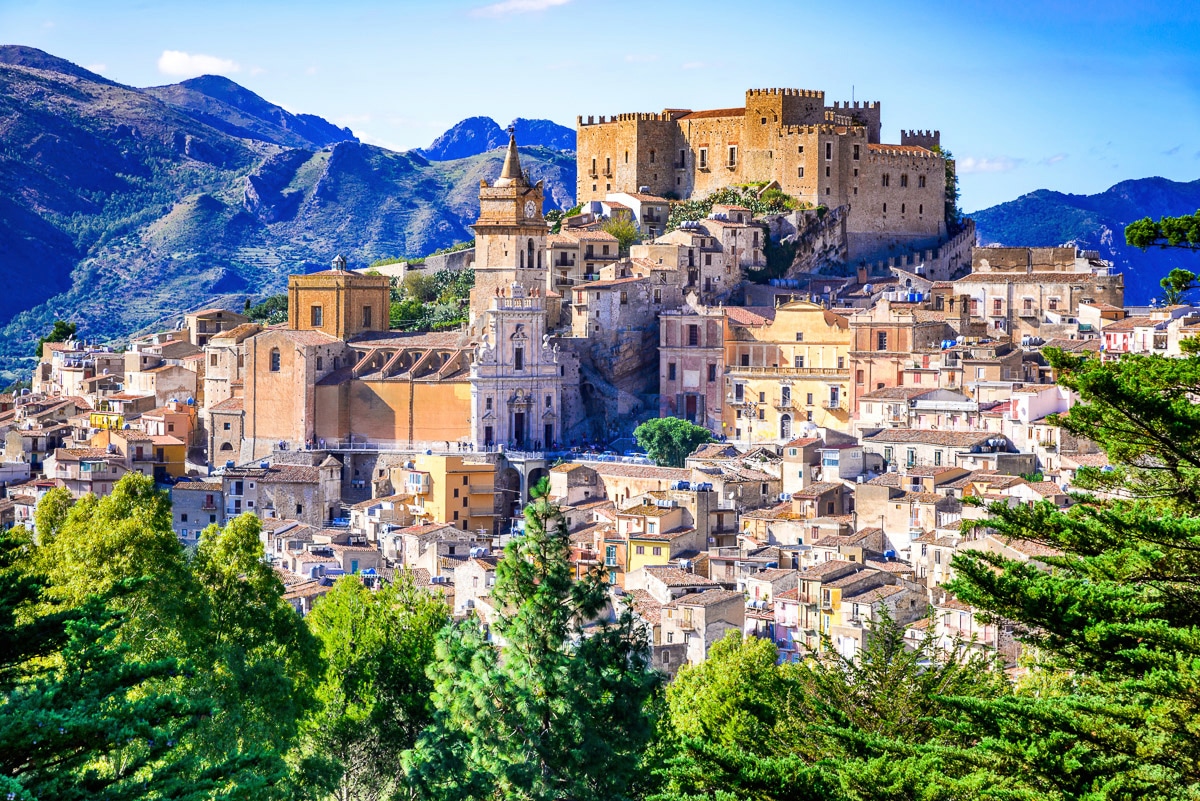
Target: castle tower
510,235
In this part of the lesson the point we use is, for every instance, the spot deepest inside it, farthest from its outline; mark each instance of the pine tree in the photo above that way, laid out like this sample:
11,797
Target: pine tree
1116,616
559,709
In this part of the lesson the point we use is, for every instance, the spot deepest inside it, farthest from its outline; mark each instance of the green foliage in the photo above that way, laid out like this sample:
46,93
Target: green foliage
742,726
773,201
1167,232
375,696
555,217
625,230
432,302
954,215
1176,285
548,714
269,311
670,440
61,332
1114,616
141,674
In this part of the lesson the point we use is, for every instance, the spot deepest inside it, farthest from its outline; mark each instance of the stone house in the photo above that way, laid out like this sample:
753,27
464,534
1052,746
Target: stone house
700,619
195,505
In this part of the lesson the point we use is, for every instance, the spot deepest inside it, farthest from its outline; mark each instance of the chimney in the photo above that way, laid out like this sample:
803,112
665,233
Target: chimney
862,274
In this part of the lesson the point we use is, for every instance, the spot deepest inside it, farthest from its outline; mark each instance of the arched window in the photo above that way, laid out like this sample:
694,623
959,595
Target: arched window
274,360
539,259
529,261
785,426
225,446
521,259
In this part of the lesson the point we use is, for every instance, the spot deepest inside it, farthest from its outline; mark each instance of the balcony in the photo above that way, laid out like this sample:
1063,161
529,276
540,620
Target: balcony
834,405
784,404
482,511
1028,313
997,313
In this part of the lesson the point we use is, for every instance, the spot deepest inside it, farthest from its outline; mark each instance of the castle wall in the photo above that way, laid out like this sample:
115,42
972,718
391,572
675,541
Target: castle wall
395,412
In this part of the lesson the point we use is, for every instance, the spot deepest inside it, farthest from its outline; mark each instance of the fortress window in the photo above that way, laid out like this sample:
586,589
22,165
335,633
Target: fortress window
624,298
885,208
856,148
828,191
274,360
626,156
856,172
901,208
921,209
887,179
800,149
593,185
651,155
856,190
920,181
732,156
903,181
682,158
320,364
764,120
608,166
826,172
704,158
829,151
799,172
316,317
520,259
593,169
366,317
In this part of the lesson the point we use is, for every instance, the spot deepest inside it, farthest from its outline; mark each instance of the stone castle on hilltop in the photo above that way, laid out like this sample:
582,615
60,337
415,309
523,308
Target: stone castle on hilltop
825,155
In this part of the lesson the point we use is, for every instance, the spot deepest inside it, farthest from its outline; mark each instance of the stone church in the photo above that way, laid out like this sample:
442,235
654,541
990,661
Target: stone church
336,373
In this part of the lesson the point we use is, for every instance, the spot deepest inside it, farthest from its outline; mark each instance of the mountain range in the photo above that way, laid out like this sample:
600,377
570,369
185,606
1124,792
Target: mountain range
1097,222
121,207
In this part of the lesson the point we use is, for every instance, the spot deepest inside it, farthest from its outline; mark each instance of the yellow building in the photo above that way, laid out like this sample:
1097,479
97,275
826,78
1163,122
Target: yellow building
785,367
449,489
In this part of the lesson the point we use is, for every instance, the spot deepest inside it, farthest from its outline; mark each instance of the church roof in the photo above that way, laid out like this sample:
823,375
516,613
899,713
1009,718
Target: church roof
511,174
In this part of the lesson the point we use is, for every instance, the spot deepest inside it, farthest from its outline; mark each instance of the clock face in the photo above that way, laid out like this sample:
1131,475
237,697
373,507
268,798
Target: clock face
529,208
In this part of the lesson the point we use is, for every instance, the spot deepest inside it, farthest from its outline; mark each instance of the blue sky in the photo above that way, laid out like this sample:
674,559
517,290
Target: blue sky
1072,96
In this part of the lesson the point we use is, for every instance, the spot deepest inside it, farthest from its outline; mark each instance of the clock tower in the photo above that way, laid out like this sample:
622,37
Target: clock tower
510,236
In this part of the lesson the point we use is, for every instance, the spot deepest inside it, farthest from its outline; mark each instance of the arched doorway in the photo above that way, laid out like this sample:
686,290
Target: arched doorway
535,475
785,426
509,496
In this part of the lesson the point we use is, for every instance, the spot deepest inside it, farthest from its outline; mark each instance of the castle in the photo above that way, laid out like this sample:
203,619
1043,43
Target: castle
825,155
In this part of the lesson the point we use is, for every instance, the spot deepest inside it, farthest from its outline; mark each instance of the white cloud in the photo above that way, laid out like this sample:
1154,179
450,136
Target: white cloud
506,7
1050,161
370,139
970,164
96,67
189,65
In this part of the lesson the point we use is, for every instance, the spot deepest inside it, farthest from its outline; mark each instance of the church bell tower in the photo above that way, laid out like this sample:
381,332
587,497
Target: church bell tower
510,235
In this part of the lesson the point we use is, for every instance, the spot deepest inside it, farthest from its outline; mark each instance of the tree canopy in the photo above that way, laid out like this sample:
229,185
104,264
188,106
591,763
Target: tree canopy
61,332
670,440
557,707
1166,232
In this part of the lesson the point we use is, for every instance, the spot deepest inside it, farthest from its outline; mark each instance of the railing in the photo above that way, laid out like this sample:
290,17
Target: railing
833,405
1028,313
482,511
832,372
784,403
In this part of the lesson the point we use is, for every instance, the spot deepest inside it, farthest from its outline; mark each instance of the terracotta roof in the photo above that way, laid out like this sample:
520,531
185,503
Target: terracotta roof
229,405
875,594
1129,323
646,605
609,283
825,568
802,442
817,489
773,574
953,439
750,315
675,577
897,393
197,486
706,598
716,112
622,470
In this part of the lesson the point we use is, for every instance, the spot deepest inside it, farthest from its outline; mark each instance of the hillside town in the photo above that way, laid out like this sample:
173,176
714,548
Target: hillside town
861,401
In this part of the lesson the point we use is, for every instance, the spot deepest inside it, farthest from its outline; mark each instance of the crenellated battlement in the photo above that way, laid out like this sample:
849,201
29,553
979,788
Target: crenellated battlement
900,151
852,130
641,116
927,139
855,104
813,93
